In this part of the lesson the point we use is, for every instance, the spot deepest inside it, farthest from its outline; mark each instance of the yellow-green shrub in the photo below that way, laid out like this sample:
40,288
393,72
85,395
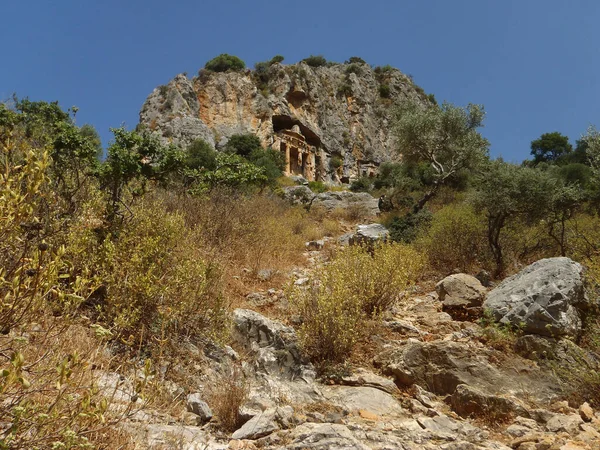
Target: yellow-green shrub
356,285
456,239
379,277
46,381
158,284
332,317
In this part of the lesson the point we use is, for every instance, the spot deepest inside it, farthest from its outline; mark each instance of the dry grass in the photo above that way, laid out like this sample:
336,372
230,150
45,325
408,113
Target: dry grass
227,396
354,213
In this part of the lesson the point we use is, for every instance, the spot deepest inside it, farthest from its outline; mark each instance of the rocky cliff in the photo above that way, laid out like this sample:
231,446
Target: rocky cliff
340,112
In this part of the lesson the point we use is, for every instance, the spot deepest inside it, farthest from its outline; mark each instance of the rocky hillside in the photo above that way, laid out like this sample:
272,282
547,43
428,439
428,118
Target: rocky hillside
342,111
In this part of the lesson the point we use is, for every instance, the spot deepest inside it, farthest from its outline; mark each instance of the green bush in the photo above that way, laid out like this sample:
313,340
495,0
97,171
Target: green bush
315,61
336,162
243,144
271,161
157,282
362,184
390,174
385,91
317,187
353,68
406,228
456,239
276,59
355,60
200,155
344,90
381,70
225,62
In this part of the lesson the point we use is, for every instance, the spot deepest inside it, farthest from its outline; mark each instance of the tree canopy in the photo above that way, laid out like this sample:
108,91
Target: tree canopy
444,137
550,147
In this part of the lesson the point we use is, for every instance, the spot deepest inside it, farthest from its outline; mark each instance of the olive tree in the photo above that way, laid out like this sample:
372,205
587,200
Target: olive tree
504,192
444,137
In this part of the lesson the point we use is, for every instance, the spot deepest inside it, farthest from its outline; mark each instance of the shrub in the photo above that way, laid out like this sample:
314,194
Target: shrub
380,277
390,174
344,90
456,239
355,60
163,90
271,161
385,91
200,155
336,162
317,187
243,144
225,62
353,213
353,68
352,288
46,382
158,283
227,396
362,184
315,61
276,59
381,70
406,228
256,232
332,317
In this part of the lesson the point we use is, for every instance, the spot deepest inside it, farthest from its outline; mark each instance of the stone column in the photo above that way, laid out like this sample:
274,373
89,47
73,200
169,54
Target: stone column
287,160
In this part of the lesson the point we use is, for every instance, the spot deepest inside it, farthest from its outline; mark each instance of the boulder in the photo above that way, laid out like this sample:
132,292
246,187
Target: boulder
368,399
461,296
275,345
369,235
299,195
265,423
440,366
586,412
364,378
564,423
196,405
315,245
467,401
545,298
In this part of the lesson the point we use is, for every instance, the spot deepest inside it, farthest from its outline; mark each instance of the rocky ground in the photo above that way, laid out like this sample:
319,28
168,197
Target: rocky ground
429,380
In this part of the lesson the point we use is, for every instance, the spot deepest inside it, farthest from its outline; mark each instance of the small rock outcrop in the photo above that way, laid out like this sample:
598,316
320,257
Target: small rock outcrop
545,298
274,344
362,202
369,235
461,296
467,401
199,407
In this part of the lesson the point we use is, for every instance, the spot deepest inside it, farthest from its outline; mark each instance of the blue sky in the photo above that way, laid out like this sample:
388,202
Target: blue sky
534,64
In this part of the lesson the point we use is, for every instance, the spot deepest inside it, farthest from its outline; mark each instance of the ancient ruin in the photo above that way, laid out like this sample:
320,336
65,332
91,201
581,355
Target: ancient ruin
300,157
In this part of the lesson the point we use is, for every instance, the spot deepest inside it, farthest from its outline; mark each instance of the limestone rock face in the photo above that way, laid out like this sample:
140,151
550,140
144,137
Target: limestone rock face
338,110
545,298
